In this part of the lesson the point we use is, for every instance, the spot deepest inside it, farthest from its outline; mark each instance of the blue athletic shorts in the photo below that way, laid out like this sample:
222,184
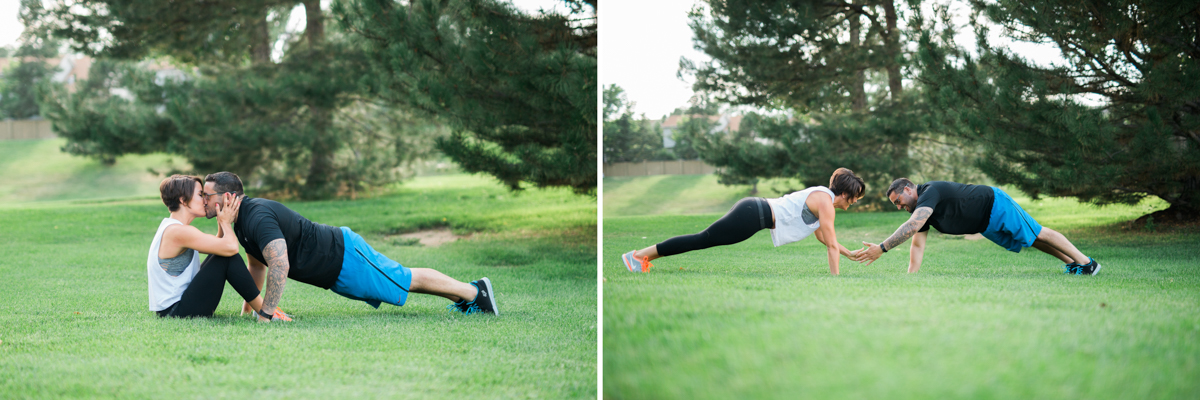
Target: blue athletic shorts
370,276
1010,226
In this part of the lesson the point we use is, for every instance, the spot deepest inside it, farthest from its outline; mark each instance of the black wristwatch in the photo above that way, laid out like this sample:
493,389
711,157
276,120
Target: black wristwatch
265,315
884,248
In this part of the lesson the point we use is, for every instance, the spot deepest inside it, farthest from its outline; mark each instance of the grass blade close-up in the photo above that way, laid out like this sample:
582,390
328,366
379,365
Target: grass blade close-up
753,321
74,321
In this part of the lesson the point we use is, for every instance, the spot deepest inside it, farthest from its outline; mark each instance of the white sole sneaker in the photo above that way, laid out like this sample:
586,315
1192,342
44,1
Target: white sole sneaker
491,295
633,265
627,258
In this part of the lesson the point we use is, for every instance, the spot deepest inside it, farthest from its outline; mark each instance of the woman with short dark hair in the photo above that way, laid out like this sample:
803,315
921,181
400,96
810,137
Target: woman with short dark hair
179,284
790,218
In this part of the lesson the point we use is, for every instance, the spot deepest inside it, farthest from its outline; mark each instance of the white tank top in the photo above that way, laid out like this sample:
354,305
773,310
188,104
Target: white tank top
789,211
165,289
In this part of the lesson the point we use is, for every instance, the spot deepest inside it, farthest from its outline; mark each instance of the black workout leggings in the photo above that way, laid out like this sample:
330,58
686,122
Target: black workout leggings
201,297
747,217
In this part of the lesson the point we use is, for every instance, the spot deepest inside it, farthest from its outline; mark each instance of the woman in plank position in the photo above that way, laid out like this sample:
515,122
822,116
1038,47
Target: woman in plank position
790,218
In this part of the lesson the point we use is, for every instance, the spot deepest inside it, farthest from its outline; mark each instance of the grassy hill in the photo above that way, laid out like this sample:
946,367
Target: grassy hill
36,171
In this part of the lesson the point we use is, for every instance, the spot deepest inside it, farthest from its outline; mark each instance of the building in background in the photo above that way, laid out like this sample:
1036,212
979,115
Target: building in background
724,123
68,69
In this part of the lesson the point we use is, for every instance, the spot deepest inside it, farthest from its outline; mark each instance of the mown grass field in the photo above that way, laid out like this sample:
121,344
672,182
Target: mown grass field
36,171
754,321
74,321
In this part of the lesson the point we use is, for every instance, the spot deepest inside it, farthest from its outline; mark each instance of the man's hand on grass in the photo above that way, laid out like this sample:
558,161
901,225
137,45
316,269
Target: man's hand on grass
853,256
868,254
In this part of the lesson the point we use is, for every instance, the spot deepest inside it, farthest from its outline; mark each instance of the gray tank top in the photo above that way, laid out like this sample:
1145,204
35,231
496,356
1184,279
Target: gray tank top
808,216
175,265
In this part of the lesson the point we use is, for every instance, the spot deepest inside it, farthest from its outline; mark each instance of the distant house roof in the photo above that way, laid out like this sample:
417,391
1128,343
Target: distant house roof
68,68
673,121
735,123
5,62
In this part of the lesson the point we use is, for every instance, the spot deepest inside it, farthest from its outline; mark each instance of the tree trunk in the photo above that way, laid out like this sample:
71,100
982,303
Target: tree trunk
314,30
319,183
260,48
858,96
891,45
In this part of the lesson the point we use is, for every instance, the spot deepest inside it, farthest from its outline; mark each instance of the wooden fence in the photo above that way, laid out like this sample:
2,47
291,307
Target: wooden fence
26,129
644,168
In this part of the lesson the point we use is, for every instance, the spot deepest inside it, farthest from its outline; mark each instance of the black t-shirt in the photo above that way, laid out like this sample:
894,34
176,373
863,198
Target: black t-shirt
958,209
314,250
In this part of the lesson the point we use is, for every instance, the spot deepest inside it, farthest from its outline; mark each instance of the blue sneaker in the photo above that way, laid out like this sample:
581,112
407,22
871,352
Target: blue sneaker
464,307
1071,269
633,264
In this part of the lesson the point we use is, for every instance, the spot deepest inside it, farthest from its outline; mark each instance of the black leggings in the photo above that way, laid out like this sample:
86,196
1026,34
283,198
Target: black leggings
747,217
201,297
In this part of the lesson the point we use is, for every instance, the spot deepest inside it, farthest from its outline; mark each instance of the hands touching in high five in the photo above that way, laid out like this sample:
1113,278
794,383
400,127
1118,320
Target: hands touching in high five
868,254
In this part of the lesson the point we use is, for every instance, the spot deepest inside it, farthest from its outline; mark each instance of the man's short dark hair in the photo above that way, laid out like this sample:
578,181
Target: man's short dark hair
225,181
176,188
844,181
898,185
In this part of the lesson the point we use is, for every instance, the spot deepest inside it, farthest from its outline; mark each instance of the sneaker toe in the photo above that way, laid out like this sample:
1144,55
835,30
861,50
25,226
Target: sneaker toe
631,262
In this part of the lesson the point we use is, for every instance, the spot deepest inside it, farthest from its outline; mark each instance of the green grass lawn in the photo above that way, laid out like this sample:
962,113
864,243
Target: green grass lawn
74,320
680,194
754,321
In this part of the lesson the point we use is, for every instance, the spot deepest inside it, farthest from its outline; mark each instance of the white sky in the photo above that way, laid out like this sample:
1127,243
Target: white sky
10,26
640,46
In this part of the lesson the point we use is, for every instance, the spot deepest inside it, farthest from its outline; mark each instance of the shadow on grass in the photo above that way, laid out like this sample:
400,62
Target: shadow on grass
1128,235
15,150
615,183
664,192
317,319
569,246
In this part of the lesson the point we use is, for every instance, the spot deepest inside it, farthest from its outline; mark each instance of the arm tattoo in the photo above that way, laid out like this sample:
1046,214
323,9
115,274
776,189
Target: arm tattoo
277,260
909,228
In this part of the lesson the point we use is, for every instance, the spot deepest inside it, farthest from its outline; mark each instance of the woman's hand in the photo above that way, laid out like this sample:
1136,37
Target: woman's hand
227,213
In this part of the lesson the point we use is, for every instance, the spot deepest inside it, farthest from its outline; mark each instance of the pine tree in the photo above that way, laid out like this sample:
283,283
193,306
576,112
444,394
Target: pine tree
1139,57
783,147
274,122
812,59
17,97
519,91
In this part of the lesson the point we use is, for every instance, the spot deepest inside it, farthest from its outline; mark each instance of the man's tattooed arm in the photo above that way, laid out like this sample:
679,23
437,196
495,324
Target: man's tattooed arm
910,228
277,260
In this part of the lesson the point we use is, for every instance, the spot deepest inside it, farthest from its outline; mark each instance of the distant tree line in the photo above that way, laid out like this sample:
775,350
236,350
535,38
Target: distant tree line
634,138
27,68
367,87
